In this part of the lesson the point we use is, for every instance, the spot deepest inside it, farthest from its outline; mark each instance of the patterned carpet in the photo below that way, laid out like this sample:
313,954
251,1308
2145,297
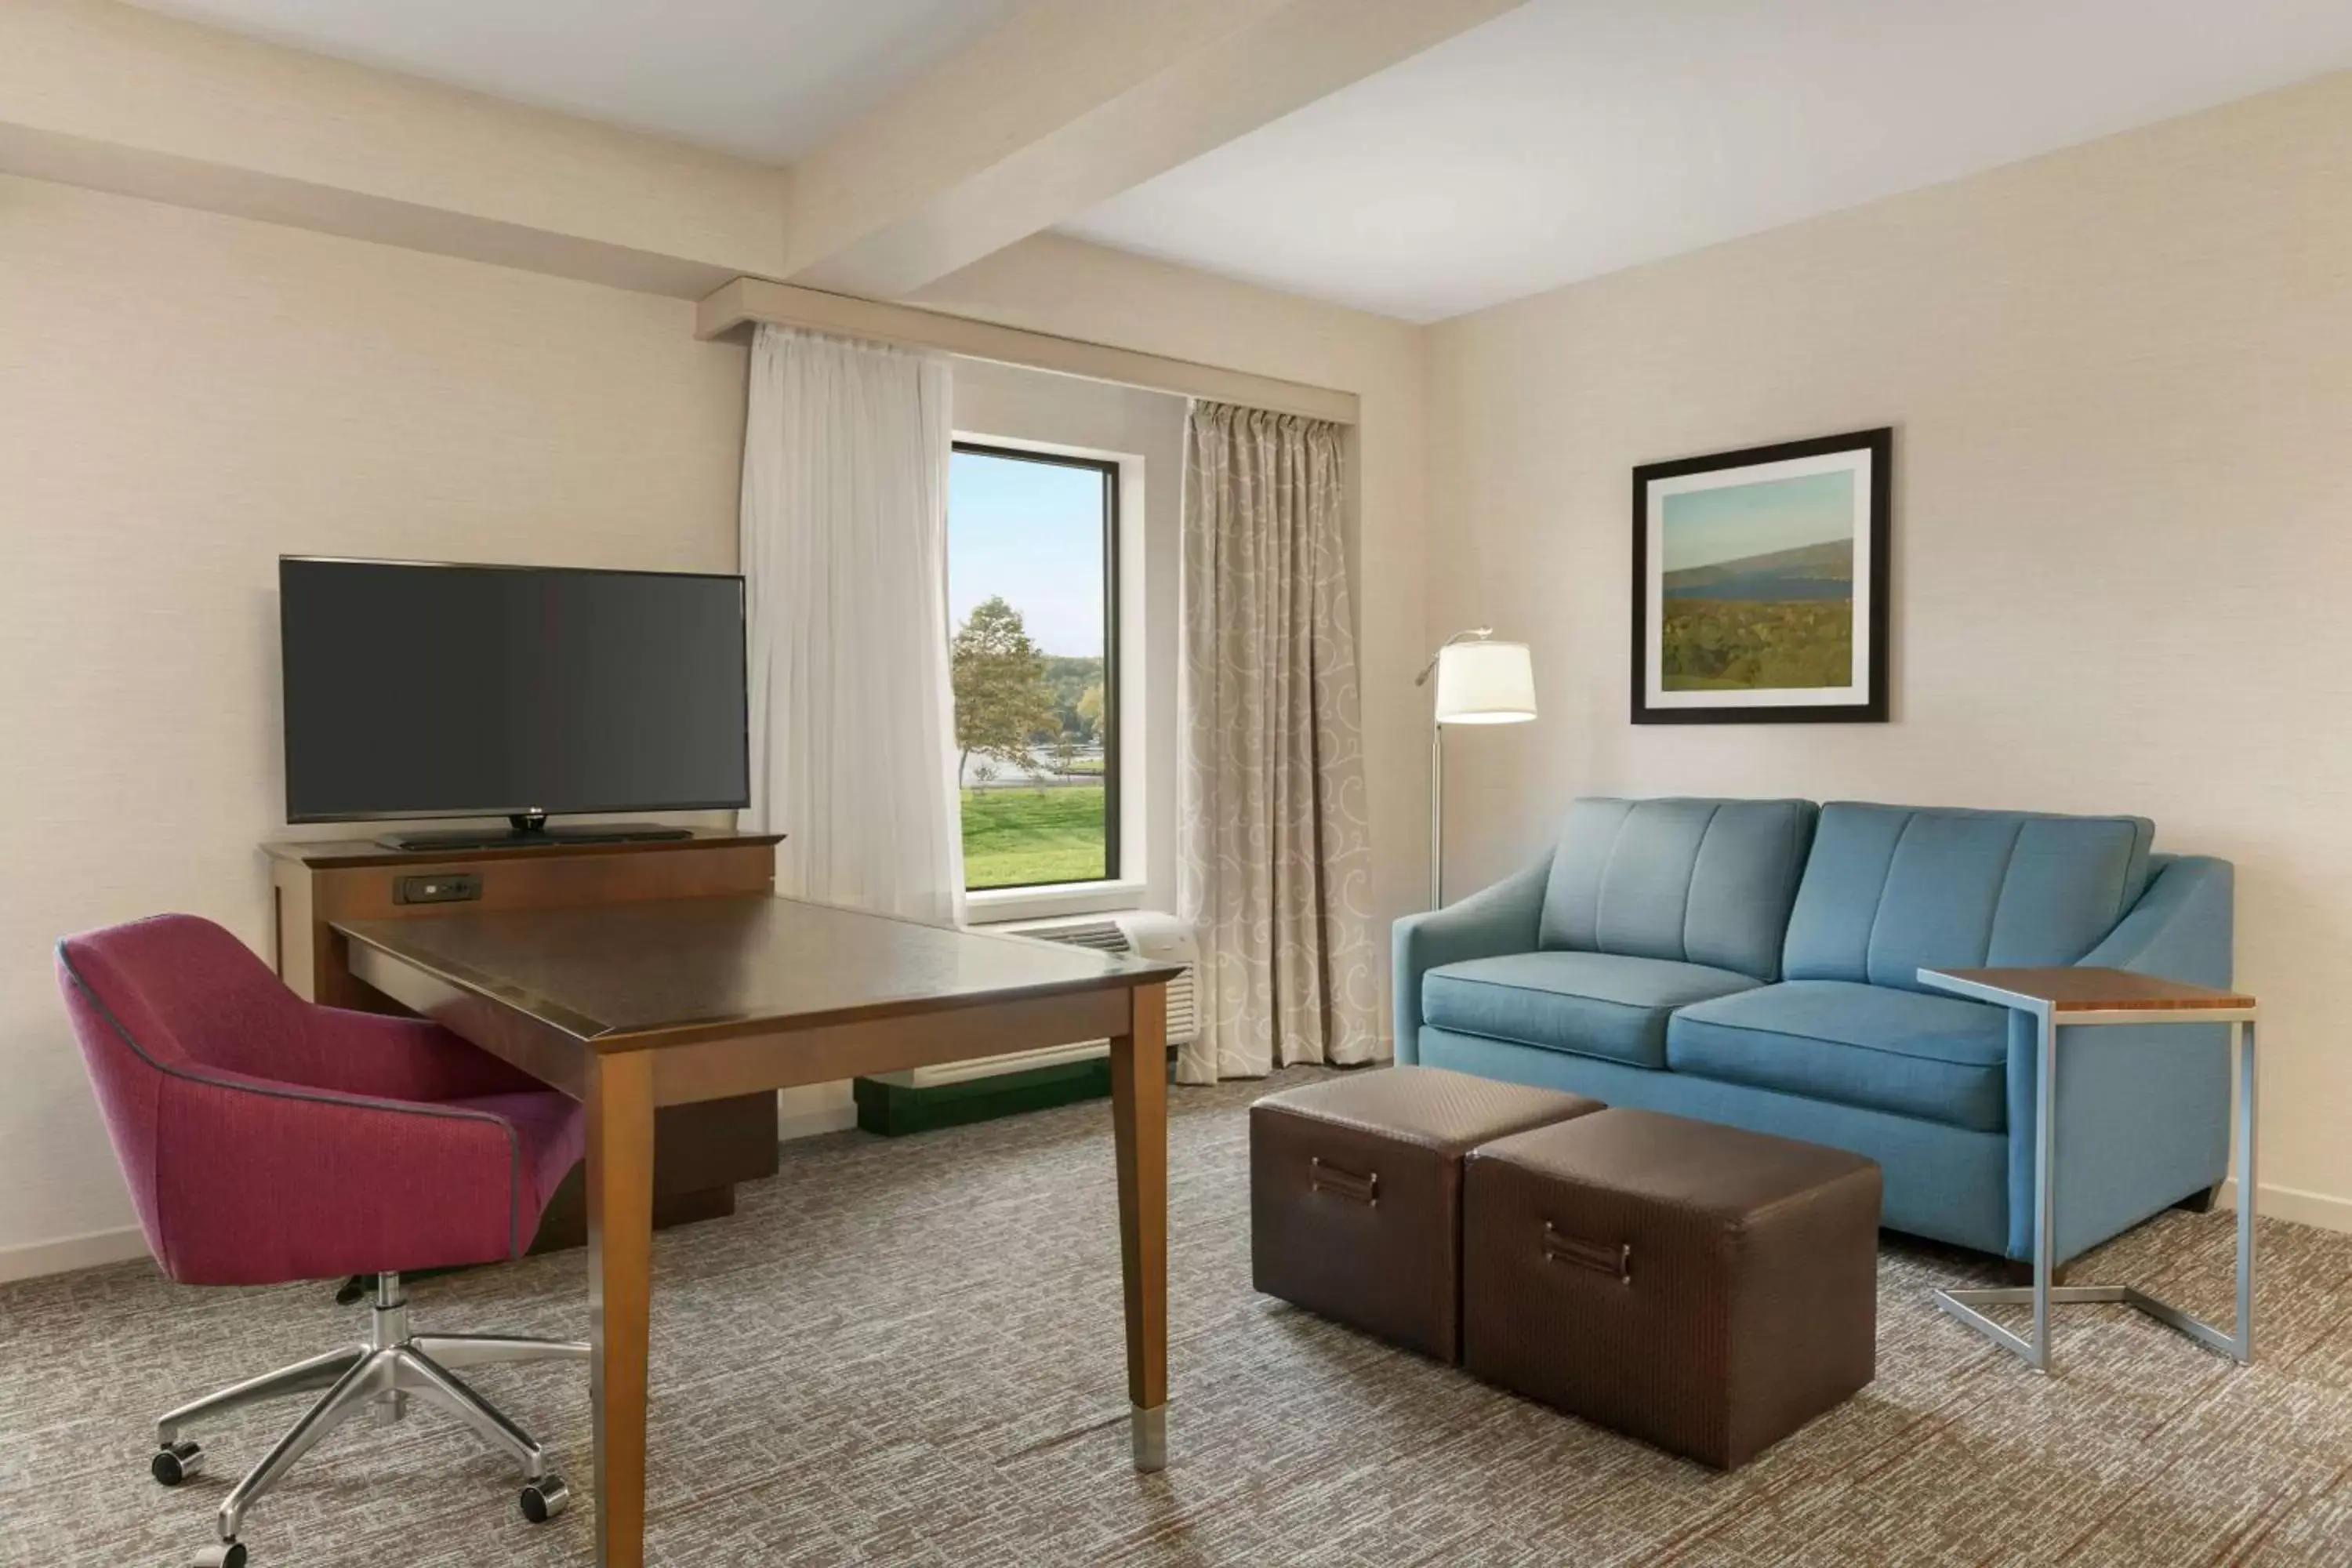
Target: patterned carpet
909,1352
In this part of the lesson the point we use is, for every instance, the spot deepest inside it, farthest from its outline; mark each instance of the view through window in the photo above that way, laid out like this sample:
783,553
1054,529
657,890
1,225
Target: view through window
1032,557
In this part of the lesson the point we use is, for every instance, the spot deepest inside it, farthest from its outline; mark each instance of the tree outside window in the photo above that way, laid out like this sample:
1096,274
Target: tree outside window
1032,558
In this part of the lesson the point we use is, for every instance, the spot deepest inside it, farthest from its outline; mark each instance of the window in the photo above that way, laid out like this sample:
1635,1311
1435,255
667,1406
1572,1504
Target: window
1033,564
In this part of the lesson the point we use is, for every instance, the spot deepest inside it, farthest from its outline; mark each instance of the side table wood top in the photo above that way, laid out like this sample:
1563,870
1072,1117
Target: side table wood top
2074,989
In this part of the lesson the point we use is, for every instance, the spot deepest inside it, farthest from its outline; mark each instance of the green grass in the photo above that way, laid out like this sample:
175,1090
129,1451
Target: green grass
1743,645
1015,837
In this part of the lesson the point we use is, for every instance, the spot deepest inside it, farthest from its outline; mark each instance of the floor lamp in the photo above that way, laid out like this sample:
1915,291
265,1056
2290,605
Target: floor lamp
1479,681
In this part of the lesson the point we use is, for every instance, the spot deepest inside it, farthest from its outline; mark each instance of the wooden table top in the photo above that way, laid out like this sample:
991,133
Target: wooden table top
625,976
2074,989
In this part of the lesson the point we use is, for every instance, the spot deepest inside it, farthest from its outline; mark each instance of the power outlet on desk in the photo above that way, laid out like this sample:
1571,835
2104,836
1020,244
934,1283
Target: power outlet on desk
450,888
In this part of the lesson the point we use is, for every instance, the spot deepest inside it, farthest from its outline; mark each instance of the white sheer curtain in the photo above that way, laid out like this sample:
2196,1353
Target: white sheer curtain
844,551
1275,854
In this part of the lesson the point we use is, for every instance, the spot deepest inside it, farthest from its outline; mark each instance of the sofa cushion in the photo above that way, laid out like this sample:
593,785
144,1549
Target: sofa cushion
1692,881
1589,1003
1890,889
1908,1053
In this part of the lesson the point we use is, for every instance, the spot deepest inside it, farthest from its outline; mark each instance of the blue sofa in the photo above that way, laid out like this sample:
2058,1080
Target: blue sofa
1755,963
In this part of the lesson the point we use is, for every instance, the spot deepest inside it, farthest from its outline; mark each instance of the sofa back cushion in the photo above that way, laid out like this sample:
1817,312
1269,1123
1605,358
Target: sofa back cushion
1694,881
1889,889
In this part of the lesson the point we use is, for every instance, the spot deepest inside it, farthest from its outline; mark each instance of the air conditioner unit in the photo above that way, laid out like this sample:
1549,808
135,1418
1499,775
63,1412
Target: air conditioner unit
1161,938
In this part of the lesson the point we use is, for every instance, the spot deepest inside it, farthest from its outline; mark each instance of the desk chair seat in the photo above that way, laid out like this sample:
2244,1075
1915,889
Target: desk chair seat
267,1140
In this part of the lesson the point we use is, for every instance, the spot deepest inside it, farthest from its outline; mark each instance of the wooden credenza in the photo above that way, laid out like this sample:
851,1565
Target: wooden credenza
701,1151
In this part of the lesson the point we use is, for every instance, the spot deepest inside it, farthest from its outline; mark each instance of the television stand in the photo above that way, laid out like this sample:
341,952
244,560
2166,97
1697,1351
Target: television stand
530,829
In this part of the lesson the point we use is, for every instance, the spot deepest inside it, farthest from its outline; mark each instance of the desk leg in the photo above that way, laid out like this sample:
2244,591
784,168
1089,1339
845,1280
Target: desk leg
1139,1108
620,1294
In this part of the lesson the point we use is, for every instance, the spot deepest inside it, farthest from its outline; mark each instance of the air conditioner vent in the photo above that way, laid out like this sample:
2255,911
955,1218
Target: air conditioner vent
1158,937
1104,936
1183,1009
1138,934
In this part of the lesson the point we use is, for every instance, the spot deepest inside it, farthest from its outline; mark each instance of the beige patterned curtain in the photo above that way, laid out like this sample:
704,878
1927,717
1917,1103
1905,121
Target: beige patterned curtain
1274,847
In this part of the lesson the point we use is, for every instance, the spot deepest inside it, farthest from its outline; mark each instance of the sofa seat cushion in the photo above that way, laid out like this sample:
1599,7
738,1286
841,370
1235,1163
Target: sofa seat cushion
1587,1004
1907,1053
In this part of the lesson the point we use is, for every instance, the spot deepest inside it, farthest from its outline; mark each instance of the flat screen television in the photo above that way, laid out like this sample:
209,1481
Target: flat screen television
417,690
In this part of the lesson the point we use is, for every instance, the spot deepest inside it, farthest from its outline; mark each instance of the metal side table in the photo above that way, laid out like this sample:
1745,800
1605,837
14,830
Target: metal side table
2072,998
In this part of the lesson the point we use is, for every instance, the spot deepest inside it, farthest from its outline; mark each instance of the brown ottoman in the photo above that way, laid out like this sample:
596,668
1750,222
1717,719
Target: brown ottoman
1355,1194
1706,1289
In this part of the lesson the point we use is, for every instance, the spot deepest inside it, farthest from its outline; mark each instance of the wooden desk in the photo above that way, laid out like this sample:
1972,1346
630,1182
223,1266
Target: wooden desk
706,1148
636,1006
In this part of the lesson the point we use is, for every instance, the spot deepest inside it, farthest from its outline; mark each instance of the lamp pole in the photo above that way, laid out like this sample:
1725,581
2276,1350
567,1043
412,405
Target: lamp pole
1436,816
1437,768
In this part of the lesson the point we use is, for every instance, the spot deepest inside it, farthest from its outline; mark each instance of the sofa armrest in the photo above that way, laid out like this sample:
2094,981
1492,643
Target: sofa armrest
2181,927
2143,1109
1494,920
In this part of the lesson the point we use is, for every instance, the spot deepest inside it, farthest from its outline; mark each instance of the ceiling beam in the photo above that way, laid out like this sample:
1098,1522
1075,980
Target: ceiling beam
747,300
1068,104
114,98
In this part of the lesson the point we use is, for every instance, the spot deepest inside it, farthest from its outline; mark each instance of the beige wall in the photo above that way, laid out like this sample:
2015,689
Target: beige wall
2121,377
183,396
2118,373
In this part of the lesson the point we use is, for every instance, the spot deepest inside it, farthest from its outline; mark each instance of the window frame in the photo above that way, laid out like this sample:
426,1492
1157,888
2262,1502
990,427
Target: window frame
1111,472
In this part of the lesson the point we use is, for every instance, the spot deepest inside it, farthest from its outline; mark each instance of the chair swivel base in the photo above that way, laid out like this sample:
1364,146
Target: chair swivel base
380,1373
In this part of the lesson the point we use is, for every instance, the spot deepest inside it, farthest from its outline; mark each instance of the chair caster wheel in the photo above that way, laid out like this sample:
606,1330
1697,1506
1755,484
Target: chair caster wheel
228,1554
545,1497
175,1462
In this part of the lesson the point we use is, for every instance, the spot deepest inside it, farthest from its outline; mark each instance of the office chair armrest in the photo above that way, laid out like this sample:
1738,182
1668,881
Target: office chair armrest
262,1182
375,1055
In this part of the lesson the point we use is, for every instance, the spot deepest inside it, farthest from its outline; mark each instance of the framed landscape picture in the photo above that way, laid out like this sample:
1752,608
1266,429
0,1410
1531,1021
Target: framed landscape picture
1761,585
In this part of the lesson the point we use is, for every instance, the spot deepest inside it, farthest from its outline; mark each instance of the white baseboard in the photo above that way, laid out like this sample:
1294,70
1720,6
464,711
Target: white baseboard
991,1066
32,1260
814,1108
833,1119
2293,1203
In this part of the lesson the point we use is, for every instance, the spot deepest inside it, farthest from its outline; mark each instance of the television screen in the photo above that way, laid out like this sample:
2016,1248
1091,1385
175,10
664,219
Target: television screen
421,690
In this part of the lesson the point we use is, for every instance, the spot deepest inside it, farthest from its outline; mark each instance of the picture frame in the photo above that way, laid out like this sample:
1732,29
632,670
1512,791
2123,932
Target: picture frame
1761,585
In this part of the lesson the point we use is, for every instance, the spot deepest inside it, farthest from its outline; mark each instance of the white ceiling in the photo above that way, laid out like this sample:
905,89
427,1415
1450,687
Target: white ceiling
1573,137
1565,139
764,78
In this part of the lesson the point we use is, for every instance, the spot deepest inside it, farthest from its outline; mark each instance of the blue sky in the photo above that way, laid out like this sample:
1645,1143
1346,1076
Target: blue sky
1703,527
1034,534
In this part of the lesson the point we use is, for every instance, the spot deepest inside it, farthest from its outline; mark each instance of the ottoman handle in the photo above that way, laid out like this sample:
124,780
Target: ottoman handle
1323,1178
1601,1259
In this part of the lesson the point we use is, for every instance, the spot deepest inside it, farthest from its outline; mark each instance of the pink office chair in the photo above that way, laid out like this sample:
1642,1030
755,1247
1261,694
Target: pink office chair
266,1140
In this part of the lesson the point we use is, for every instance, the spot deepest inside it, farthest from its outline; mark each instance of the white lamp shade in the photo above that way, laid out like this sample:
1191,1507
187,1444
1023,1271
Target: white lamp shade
1486,683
